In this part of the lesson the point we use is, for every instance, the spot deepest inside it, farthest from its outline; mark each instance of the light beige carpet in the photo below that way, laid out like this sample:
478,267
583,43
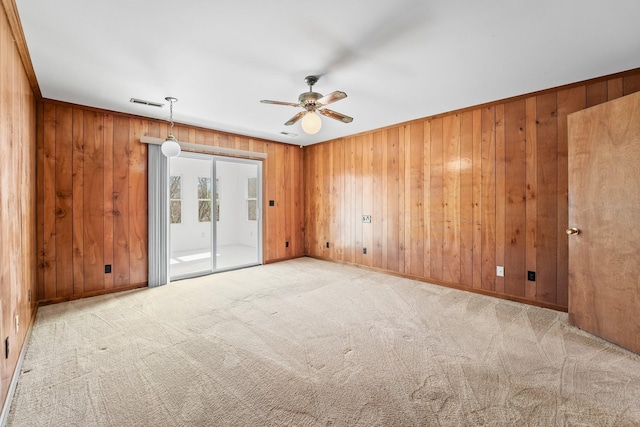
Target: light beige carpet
312,343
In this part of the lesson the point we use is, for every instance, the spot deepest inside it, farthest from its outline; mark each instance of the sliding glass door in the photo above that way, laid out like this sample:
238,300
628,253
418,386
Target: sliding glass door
238,214
190,232
214,214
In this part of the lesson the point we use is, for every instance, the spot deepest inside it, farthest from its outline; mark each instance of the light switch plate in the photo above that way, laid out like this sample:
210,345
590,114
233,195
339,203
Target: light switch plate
500,271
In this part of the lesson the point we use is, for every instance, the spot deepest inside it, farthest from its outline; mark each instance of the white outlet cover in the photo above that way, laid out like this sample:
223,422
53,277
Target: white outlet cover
500,271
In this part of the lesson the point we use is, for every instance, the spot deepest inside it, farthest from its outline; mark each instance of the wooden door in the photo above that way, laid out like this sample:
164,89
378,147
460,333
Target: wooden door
604,204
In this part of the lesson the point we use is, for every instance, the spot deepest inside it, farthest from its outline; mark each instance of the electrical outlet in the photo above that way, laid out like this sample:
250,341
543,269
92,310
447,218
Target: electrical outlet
6,348
17,323
366,219
531,276
286,244
107,268
500,271
327,245
29,295
364,251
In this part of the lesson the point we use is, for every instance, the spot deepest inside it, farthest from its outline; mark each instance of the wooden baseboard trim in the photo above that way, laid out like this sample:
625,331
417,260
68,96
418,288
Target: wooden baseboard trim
91,294
271,261
4,415
514,298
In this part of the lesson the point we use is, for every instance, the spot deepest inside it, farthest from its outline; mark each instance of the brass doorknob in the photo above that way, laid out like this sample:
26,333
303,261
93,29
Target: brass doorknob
573,230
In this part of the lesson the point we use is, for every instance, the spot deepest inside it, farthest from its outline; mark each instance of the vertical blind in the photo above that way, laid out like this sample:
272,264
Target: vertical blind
158,209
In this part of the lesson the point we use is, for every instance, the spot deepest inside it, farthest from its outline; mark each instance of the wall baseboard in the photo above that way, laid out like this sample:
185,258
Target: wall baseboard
271,261
494,294
4,415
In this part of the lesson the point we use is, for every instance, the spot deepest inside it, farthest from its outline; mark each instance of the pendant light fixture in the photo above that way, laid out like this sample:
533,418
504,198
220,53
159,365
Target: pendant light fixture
170,147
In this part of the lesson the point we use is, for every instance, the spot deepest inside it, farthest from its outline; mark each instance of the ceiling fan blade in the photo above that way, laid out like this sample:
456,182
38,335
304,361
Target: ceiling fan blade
266,101
337,116
295,118
332,97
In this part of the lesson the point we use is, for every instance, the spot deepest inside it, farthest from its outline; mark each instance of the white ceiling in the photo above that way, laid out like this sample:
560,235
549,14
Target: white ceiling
396,60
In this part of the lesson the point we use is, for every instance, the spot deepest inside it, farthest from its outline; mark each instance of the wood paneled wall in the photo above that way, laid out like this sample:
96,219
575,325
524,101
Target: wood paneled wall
92,197
453,196
17,203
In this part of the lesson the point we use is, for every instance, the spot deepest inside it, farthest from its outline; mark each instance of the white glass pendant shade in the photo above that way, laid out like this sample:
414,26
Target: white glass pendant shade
311,122
170,147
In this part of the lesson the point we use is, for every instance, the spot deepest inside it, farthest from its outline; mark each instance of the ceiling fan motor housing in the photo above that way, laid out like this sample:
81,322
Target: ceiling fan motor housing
308,100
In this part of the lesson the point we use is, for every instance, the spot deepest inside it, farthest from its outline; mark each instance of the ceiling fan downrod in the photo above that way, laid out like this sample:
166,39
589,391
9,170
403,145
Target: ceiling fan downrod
311,80
308,100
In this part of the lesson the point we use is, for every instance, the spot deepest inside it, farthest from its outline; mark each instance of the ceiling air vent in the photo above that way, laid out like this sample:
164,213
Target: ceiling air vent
293,135
149,103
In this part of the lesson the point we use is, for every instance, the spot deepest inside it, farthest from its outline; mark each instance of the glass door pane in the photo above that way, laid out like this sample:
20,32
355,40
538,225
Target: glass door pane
190,214
238,201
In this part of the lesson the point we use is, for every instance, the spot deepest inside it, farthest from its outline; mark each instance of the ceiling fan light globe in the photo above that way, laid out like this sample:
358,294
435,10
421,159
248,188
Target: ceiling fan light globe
170,147
311,123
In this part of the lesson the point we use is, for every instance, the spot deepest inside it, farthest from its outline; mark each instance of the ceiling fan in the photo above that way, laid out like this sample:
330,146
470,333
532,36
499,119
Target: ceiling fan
313,102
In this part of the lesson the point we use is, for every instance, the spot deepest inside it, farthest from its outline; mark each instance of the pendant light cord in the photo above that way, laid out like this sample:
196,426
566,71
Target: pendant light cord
171,117
171,101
